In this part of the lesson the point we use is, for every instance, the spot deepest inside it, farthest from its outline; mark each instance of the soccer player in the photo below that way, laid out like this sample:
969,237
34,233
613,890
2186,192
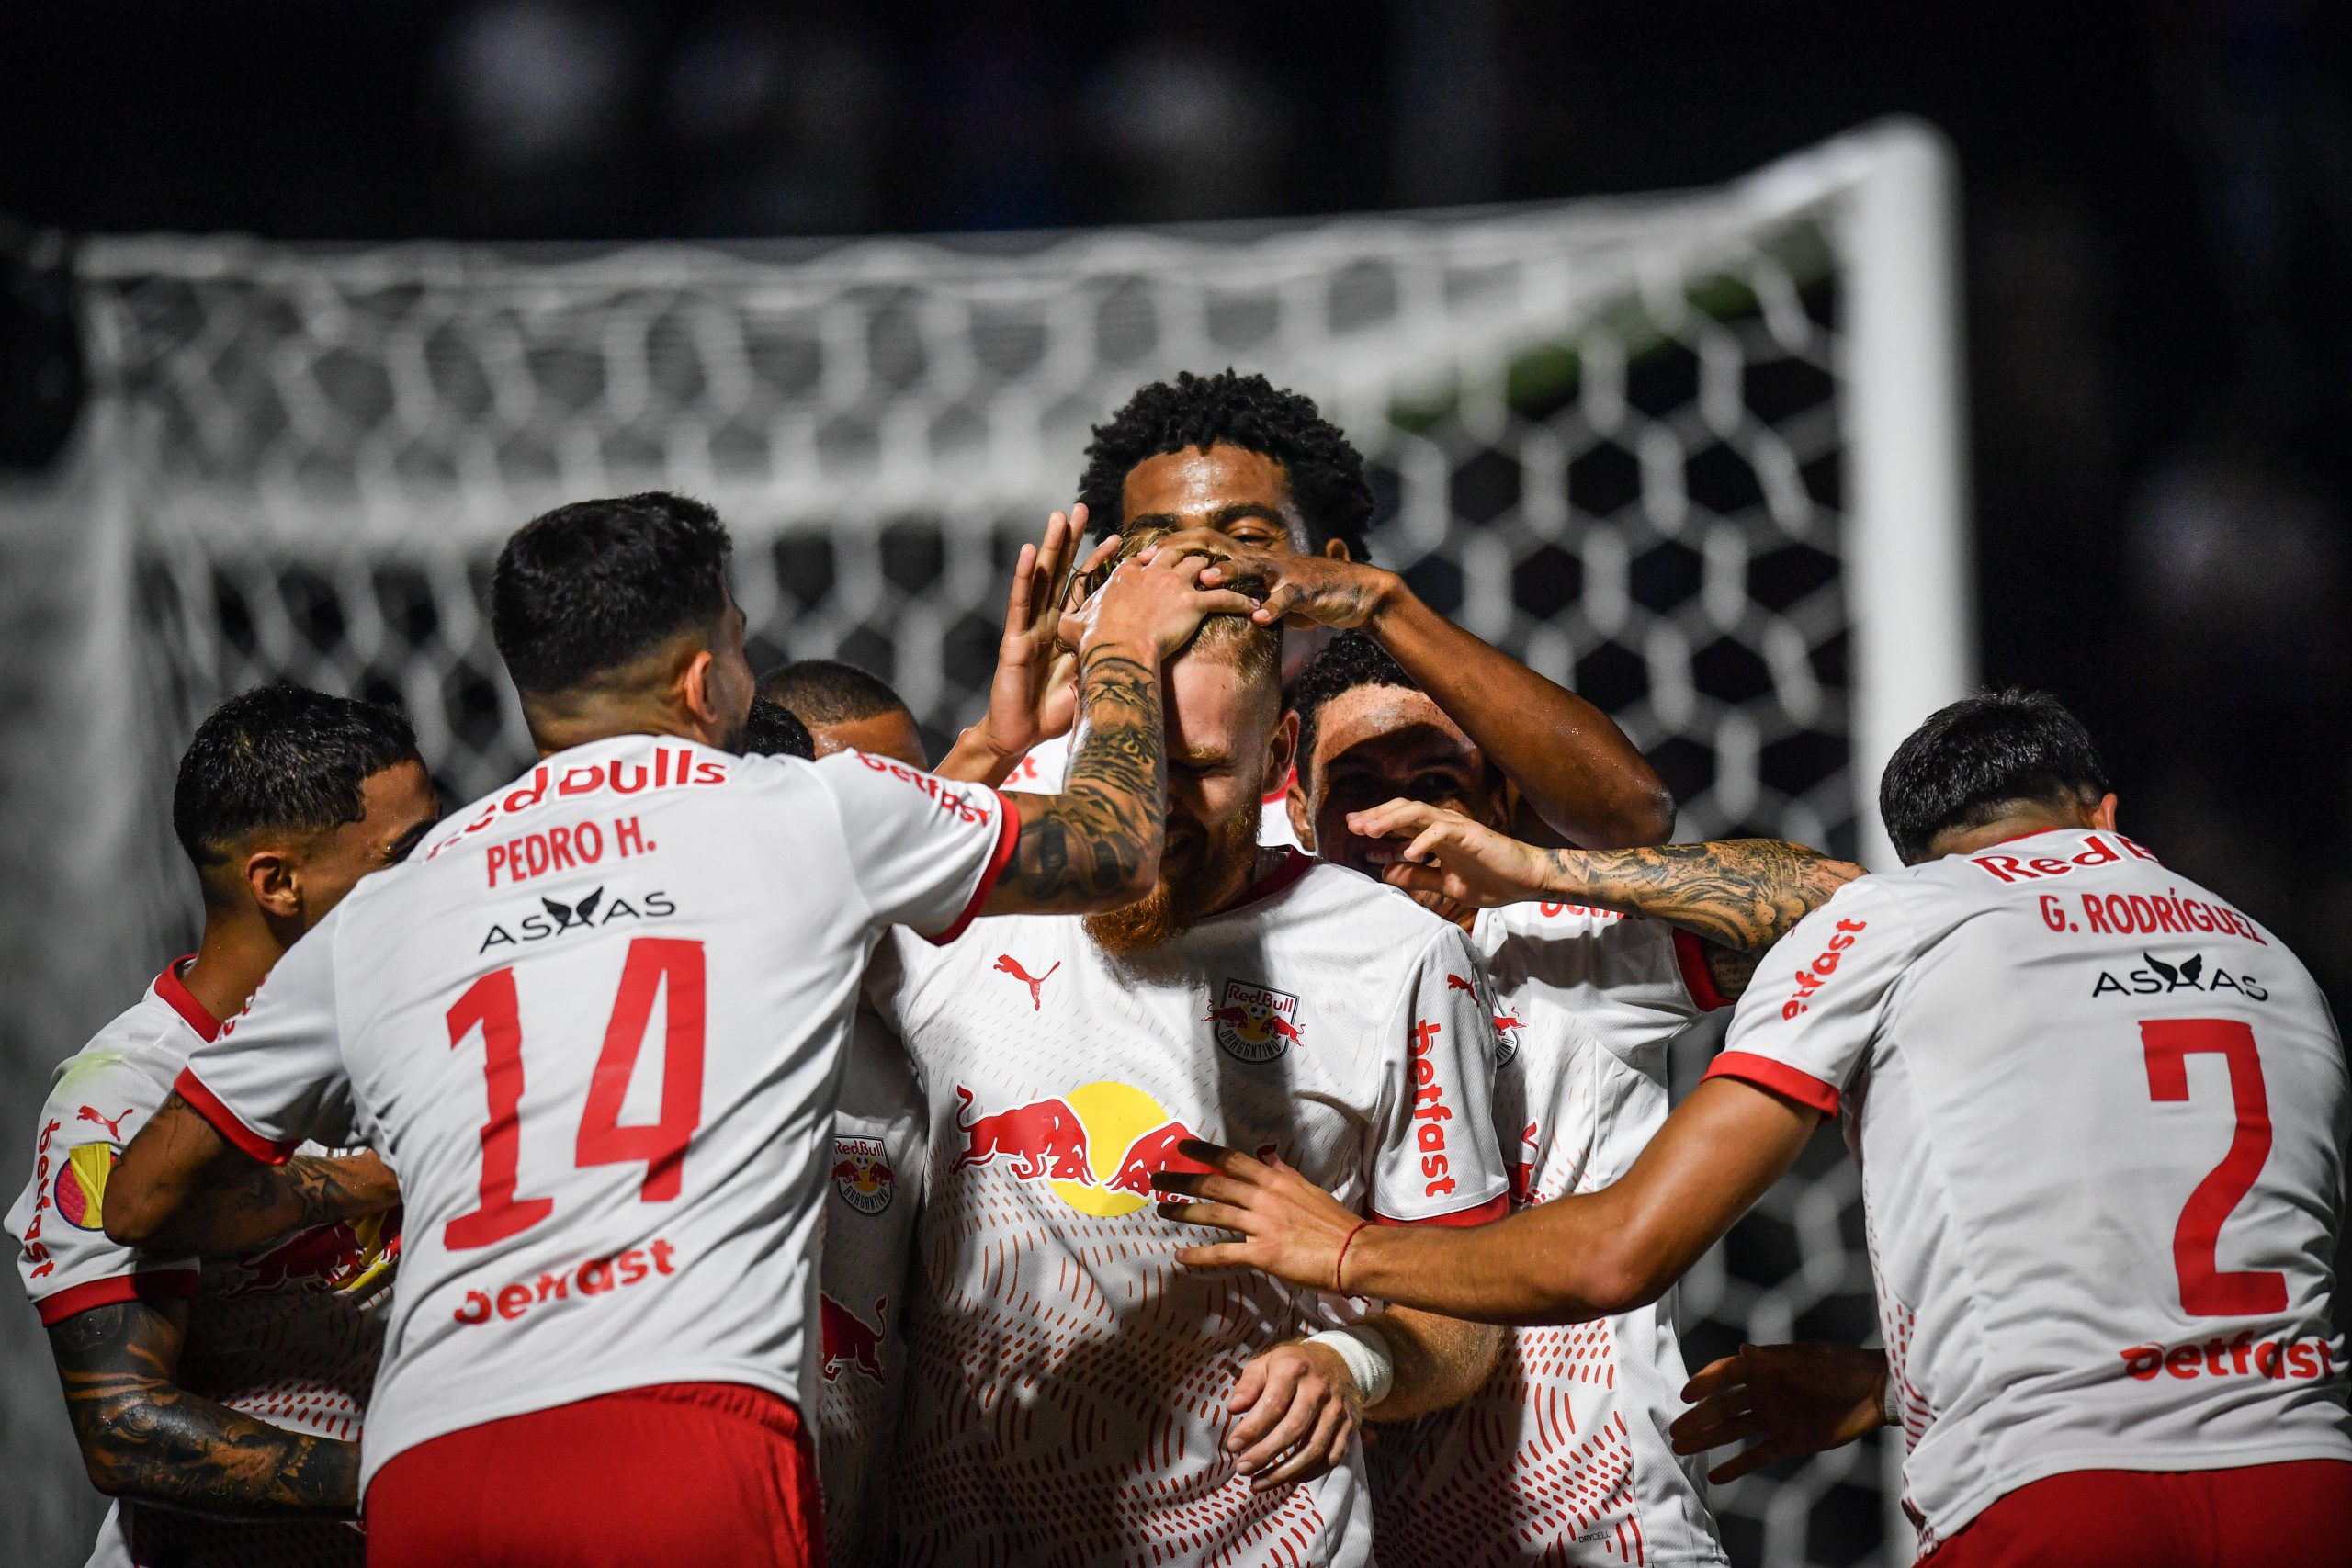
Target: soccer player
234,1384
1564,1456
594,1024
1076,1398
2101,1119
845,708
1260,467
876,1175
774,731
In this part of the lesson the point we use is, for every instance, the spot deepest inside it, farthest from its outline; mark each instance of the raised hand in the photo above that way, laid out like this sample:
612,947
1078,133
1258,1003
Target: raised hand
1302,591
1455,856
1289,1227
1034,694
1797,1399
1157,596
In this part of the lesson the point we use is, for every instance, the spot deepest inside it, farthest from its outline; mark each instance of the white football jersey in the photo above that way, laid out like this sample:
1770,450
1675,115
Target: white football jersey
1047,763
1563,1456
879,1136
596,1025
290,1333
1067,1404
2100,1117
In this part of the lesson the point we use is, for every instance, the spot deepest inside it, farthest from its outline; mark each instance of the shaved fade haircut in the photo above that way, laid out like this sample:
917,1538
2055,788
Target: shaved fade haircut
1348,660
820,691
281,759
773,731
1979,759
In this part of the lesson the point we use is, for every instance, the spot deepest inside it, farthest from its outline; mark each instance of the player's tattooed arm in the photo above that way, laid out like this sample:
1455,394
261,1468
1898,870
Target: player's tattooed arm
143,1436
238,1203
1096,845
1740,893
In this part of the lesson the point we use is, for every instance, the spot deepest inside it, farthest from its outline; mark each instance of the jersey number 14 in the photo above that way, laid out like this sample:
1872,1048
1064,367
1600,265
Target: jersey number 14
490,1005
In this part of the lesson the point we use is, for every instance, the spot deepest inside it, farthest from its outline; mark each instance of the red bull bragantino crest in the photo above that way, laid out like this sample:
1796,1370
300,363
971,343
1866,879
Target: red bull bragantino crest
1255,1023
862,1175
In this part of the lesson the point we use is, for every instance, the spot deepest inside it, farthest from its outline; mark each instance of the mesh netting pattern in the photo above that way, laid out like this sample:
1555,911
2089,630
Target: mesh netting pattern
1607,438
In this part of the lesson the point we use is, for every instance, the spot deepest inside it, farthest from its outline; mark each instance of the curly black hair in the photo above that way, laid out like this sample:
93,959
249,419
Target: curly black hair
1325,473
1348,661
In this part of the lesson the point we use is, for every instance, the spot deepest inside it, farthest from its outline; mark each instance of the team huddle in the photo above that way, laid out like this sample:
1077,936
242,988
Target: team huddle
1218,1114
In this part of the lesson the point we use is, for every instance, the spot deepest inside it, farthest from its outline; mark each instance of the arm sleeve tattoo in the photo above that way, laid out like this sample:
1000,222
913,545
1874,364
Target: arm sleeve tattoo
1098,836
245,1204
1737,893
143,1436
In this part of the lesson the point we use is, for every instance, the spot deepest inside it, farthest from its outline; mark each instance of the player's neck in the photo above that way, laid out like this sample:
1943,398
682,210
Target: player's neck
235,956
2015,825
560,732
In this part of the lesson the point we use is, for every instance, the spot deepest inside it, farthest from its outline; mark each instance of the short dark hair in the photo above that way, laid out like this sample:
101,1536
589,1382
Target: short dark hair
282,758
1348,661
1975,760
773,730
1325,473
826,691
589,587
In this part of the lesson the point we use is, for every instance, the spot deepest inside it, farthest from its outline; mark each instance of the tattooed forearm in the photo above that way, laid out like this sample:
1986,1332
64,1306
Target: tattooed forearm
1101,836
243,1203
1738,893
143,1436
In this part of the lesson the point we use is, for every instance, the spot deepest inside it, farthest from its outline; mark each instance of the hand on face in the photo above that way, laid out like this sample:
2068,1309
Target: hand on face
1156,597
1799,1399
1298,1406
1034,695
1304,591
1454,857
1289,1227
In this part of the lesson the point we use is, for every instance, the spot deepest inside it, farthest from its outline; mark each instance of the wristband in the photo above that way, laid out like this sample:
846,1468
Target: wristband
1339,1264
1890,1404
1366,1354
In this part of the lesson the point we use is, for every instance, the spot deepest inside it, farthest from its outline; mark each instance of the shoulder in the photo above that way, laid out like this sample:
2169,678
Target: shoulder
1381,913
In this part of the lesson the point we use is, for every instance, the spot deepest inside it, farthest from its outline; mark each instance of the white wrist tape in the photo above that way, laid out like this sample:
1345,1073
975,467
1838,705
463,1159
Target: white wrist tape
1366,1354
1890,1404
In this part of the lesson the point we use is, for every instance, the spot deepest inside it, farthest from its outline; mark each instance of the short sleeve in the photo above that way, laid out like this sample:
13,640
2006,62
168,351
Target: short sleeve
67,1260
1635,983
1805,1027
1437,1160
926,852
275,1077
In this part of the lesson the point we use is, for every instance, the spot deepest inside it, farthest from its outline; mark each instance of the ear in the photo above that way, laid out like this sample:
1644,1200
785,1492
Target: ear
2103,814
1337,549
271,880
1282,747
1302,820
695,694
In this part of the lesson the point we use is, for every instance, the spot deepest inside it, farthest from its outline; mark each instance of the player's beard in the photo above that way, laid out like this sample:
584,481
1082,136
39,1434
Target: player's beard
1186,893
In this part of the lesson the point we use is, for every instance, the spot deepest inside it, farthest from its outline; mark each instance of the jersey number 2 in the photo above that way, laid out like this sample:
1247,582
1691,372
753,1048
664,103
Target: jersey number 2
490,1005
2206,1290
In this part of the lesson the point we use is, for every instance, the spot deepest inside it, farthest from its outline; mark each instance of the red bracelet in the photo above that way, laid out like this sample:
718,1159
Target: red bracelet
1340,1263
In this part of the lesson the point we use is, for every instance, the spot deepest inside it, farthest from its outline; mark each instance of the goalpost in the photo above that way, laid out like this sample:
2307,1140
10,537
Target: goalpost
1696,454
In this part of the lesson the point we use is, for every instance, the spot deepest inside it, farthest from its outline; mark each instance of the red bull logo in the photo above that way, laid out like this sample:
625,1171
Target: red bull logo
1522,1173
1096,1146
851,1343
862,1175
346,1255
1506,1028
1255,1023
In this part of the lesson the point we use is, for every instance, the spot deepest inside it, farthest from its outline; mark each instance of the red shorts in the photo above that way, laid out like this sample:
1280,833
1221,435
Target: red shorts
2260,1515
705,1473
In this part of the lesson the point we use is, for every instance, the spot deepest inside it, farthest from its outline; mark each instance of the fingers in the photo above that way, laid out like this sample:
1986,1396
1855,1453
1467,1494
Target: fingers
1282,1415
1222,1160
1280,601
1417,878
1712,1378
1745,1461
1018,603
1247,1386
1216,1255
1209,1216
1224,602
1392,820
1324,1447
1429,841
1694,1434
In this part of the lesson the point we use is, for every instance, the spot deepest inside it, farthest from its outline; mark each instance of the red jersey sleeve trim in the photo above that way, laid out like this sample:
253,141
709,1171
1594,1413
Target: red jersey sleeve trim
159,1284
181,1000
1493,1209
226,1123
1691,957
1790,1083
1008,839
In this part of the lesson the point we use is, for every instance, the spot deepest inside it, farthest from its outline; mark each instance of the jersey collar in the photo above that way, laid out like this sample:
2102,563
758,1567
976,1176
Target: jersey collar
176,993
1293,866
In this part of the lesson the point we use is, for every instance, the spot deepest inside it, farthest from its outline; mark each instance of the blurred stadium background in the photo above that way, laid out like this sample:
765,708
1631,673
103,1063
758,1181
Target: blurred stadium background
1650,445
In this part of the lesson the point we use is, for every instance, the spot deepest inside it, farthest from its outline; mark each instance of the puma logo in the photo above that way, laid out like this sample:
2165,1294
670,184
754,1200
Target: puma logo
1005,964
1456,983
568,915
113,1124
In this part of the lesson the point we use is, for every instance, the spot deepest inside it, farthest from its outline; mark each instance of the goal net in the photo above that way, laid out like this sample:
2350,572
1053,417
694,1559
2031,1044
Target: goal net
1694,455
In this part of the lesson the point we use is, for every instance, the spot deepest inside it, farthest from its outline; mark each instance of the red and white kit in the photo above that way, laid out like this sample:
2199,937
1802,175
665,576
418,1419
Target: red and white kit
2100,1116
288,1334
1067,1407
596,1027
1563,1456
1047,763
879,1136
